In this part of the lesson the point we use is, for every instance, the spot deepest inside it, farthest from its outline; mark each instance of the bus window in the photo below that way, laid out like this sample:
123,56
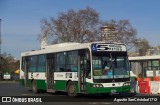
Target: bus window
72,61
23,64
60,62
88,69
33,64
41,63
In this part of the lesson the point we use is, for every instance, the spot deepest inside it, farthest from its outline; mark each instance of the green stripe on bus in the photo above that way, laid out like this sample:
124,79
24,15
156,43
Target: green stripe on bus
90,89
60,85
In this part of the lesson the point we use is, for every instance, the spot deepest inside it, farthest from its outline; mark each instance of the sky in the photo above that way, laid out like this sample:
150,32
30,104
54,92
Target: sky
20,24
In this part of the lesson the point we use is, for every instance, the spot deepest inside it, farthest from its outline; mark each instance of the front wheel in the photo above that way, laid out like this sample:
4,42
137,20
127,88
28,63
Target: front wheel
34,87
71,90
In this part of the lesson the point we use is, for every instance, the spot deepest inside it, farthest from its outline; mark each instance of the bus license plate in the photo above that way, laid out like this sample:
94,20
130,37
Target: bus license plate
113,91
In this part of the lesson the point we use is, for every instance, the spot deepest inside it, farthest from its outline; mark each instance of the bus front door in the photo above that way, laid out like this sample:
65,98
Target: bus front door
50,72
81,72
26,67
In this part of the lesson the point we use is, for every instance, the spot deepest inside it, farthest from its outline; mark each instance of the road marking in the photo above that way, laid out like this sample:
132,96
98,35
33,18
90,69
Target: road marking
98,103
26,94
106,103
94,103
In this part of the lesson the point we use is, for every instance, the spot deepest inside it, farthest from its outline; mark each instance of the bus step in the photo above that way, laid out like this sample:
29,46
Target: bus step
50,90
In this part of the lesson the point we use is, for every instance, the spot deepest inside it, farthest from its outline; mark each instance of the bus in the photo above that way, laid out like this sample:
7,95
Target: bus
145,66
76,68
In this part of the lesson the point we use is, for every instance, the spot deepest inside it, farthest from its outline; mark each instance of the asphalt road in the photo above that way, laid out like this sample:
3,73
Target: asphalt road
61,98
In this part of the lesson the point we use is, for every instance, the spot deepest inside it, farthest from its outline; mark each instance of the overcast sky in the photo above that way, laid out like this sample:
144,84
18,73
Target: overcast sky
20,24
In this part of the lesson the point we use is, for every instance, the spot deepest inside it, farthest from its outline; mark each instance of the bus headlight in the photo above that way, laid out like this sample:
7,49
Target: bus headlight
97,85
100,85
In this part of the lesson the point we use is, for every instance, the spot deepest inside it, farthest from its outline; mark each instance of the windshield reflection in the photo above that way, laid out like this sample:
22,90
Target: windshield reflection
110,65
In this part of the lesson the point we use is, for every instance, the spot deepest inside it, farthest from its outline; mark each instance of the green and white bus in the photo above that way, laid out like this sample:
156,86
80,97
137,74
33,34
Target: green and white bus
76,68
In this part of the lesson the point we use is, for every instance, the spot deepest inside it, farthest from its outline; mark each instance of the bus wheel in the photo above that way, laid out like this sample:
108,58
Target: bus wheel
34,87
71,90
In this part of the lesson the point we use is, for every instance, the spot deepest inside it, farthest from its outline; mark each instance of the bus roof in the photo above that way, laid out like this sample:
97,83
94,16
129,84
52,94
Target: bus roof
64,47
56,48
140,58
60,45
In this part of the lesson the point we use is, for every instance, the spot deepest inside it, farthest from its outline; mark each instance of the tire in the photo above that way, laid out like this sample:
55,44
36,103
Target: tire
71,90
34,87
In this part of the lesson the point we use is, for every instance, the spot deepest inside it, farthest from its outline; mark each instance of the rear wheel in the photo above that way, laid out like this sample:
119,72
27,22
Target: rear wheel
34,87
71,90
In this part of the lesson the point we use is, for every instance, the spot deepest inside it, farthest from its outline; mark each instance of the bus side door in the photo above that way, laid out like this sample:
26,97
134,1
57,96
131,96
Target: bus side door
26,70
83,69
50,65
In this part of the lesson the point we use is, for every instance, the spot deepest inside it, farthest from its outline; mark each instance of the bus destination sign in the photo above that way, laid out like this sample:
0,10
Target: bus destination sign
107,47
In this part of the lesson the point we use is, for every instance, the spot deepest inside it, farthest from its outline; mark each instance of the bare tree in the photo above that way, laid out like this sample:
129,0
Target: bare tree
84,26
124,31
72,26
9,64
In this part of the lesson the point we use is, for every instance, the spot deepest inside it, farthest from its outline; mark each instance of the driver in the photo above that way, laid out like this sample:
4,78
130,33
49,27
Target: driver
107,70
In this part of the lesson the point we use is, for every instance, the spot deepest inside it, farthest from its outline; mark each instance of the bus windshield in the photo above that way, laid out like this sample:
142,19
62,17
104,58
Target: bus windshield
109,65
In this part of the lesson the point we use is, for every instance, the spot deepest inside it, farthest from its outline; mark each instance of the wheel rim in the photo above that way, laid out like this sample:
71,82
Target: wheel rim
71,89
34,87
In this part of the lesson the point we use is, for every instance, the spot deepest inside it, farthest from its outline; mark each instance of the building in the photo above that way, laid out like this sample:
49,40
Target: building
108,33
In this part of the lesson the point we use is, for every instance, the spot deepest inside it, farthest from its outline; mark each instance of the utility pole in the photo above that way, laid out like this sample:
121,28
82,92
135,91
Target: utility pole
0,38
0,53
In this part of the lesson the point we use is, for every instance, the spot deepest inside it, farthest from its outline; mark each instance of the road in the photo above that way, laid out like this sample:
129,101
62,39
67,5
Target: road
60,98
